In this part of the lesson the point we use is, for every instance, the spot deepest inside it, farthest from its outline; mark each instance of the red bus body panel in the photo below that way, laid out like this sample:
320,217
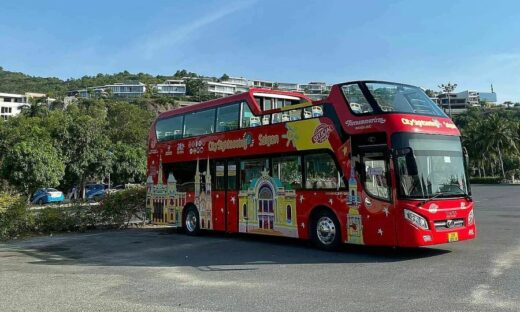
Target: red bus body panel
370,222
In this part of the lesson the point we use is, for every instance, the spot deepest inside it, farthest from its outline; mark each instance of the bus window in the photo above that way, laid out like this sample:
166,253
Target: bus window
219,176
245,119
288,170
232,176
357,101
277,117
251,169
169,129
376,176
199,123
268,104
184,173
295,114
321,172
227,117
278,103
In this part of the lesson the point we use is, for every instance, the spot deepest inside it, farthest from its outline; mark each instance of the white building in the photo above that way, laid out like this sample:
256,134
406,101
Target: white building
171,88
11,104
461,101
287,86
241,84
220,89
314,87
261,84
129,89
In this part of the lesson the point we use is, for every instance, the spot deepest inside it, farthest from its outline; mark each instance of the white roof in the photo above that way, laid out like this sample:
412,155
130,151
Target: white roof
11,95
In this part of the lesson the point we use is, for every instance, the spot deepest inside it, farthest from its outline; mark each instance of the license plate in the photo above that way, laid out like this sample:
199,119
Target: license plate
453,237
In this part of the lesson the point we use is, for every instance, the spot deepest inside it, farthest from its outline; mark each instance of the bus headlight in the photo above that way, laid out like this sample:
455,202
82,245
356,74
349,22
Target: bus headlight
471,217
415,219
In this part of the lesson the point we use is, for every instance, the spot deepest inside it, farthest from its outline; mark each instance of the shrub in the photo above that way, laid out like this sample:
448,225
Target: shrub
118,209
15,216
485,180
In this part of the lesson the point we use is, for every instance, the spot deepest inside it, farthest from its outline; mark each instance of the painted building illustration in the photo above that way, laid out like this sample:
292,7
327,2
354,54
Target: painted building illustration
165,202
354,196
203,196
266,207
354,219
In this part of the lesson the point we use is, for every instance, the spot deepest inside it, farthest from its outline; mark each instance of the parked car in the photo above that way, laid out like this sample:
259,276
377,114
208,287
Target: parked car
47,195
95,191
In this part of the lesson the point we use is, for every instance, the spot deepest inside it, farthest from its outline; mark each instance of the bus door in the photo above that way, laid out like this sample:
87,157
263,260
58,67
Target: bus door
379,228
225,196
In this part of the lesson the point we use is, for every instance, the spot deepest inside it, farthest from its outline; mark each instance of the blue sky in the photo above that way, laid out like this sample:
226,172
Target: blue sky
472,43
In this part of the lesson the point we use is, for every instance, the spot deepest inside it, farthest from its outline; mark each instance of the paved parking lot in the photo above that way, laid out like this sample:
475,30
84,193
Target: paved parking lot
154,270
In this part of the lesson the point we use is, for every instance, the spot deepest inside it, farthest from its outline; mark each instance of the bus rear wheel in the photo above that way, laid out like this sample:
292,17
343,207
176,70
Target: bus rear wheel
191,221
325,230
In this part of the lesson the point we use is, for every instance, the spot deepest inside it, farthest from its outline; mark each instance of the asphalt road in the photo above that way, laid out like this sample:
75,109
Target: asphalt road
153,270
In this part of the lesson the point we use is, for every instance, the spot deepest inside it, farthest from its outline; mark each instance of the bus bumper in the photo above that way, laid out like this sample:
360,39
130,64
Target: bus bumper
412,236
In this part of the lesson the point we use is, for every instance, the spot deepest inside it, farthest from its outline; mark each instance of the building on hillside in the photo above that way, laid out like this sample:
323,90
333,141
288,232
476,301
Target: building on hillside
461,101
287,86
261,84
241,84
87,93
220,89
128,89
171,88
11,104
314,88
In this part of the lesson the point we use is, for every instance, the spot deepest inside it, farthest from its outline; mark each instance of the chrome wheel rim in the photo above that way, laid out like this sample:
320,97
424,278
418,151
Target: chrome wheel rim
326,230
191,221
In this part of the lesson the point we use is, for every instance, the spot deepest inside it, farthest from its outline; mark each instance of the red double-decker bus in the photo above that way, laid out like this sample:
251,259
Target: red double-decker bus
374,163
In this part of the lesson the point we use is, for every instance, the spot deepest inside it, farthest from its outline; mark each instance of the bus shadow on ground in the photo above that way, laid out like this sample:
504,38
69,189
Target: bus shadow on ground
210,251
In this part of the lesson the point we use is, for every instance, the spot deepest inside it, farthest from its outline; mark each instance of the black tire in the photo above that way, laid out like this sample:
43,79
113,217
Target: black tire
191,221
325,230
40,202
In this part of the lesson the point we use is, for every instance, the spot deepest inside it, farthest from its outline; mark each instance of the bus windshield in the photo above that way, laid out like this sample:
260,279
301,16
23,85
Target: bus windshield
389,97
439,166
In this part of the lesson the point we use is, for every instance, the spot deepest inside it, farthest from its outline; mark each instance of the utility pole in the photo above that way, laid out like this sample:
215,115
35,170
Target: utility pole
447,88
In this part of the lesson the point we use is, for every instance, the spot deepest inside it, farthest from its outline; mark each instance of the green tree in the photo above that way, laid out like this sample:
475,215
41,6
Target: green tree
87,145
129,163
32,164
224,77
197,88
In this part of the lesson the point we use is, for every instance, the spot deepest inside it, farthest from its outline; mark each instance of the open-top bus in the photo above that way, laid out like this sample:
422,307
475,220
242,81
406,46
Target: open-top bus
374,163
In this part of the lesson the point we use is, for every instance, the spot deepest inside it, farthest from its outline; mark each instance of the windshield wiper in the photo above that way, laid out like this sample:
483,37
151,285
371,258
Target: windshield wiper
444,194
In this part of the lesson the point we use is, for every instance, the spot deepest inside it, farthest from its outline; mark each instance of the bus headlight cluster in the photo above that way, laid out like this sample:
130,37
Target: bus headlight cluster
415,219
470,217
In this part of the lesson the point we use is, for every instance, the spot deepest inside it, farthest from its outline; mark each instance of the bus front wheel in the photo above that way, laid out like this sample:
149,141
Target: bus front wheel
325,230
191,221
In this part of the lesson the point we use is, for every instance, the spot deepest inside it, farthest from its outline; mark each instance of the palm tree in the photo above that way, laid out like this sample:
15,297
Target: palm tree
36,107
501,138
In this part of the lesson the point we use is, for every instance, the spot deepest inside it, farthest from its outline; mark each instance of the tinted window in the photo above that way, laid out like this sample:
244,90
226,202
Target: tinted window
227,117
321,172
401,98
184,173
357,101
169,129
199,123
245,120
376,175
288,170
251,169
